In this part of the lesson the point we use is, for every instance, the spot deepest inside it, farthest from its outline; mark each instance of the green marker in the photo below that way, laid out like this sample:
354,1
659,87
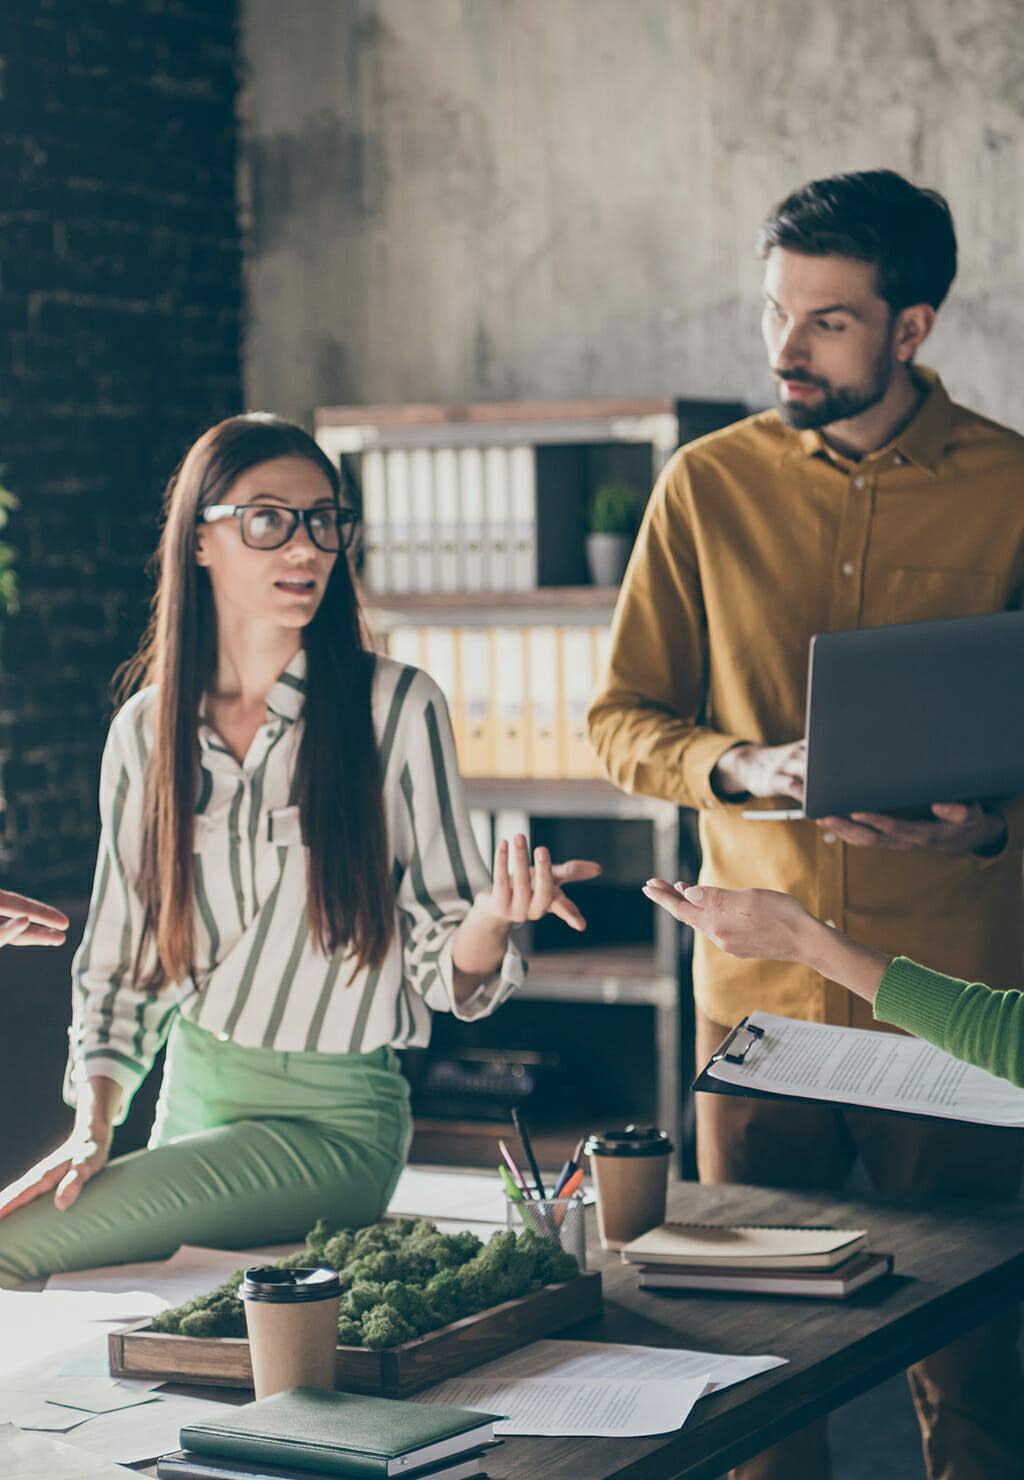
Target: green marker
514,1192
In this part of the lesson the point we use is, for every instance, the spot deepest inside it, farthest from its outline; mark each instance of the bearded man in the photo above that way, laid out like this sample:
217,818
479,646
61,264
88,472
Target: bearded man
866,498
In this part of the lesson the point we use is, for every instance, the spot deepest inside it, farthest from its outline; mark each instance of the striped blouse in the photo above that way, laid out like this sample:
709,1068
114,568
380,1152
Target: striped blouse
259,978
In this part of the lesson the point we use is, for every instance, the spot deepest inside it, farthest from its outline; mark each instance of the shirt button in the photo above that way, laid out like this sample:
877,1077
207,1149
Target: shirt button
223,1037
829,837
848,567
859,481
898,460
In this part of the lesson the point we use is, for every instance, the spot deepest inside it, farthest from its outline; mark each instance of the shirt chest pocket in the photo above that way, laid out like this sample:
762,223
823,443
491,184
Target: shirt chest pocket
284,828
915,594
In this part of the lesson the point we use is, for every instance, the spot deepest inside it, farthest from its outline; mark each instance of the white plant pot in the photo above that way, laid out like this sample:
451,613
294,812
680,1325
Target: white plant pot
607,557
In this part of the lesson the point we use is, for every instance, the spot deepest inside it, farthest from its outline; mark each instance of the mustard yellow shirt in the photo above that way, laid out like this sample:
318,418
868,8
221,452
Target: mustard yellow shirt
755,538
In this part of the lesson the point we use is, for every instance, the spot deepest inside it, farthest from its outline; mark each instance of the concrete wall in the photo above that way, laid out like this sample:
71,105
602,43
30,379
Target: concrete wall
480,199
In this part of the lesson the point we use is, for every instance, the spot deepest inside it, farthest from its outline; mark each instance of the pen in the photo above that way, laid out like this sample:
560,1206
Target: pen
568,1169
521,1130
573,1185
570,1189
516,1173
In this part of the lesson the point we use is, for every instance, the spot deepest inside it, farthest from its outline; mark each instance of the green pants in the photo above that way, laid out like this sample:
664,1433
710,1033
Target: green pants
249,1146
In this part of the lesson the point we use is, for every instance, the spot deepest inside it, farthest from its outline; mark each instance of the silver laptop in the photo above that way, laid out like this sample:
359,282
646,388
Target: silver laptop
900,717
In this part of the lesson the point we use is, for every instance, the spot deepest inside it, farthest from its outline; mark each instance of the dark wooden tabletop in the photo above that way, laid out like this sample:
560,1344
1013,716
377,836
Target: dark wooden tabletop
957,1264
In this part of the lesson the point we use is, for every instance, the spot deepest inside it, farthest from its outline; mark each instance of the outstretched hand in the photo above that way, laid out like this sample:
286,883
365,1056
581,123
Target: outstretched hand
27,922
520,892
742,922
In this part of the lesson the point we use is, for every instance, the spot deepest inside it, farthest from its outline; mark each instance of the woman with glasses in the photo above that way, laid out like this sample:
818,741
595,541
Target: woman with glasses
969,1020
287,886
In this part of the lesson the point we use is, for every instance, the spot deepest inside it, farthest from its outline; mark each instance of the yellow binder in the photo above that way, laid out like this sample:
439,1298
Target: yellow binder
508,654
546,731
476,751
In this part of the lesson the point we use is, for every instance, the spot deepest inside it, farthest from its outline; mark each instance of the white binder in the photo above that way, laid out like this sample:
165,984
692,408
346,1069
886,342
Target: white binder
421,499
439,659
471,518
447,556
375,523
405,645
399,519
523,487
498,514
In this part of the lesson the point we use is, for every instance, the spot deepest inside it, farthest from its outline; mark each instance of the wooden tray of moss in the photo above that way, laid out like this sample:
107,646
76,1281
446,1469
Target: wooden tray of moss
418,1306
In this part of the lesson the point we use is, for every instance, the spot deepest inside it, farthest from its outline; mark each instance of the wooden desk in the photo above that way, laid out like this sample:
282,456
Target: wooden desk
957,1265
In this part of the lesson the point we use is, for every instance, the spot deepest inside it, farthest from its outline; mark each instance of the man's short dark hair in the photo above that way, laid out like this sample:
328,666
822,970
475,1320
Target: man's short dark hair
873,216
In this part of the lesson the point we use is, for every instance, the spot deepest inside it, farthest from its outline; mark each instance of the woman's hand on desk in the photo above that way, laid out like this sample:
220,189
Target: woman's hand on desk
775,927
85,1152
28,922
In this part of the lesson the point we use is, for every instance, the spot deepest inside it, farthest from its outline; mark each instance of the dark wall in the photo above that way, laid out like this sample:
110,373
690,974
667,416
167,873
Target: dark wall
120,323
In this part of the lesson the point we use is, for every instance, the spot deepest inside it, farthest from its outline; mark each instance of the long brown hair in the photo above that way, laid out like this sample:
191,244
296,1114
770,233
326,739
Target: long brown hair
338,780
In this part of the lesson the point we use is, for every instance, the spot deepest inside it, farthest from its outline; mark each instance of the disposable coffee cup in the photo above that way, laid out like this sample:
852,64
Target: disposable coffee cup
292,1319
630,1172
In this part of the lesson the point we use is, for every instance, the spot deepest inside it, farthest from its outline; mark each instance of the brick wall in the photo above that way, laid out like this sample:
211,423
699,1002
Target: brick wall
120,312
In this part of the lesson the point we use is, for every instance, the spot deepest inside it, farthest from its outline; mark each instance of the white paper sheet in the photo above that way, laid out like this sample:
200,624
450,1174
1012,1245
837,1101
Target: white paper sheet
855,1066
550,1406
37,1457
190,1271
476,1197
39,1325
632,1379
136,1436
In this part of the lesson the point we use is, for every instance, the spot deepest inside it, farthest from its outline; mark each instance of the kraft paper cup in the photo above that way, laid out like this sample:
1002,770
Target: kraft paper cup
630,1172
292,1319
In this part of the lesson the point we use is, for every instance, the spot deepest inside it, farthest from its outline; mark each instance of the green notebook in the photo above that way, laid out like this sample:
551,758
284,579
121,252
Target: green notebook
343,1433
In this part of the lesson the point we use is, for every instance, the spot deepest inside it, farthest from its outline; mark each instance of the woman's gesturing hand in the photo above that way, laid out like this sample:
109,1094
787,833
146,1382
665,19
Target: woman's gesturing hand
520,892
775,927
27,922
742,922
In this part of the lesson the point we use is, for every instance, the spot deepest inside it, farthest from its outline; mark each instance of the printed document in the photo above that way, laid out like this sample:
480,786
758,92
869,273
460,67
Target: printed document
855,1066
595,1388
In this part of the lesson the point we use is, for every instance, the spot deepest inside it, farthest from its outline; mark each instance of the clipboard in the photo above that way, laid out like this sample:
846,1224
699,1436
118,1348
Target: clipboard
961,1091
734,1049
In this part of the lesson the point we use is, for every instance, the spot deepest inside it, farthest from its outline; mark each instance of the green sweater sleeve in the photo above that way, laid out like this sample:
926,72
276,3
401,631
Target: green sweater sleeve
966,1019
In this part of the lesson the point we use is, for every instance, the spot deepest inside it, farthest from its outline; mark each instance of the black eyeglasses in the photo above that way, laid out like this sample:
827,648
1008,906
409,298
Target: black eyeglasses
269,526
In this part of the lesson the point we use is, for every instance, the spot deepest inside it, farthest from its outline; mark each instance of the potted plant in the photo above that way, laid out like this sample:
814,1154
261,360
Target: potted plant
615,513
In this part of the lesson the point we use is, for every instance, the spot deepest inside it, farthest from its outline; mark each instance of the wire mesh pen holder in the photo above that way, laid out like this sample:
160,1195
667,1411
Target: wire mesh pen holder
557,1220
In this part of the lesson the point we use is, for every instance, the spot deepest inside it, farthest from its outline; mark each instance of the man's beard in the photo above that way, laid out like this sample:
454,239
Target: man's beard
836,404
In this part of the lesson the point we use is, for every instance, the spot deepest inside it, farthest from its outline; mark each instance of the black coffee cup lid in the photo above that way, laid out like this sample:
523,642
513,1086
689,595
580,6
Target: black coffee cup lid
286,1286
635,1140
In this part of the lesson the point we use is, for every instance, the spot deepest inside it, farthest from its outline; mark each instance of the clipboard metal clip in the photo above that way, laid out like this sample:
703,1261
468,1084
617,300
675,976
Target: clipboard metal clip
734,1050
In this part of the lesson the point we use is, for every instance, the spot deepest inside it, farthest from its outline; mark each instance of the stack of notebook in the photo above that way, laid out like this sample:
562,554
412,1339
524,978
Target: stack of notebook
305,1433
826,1263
